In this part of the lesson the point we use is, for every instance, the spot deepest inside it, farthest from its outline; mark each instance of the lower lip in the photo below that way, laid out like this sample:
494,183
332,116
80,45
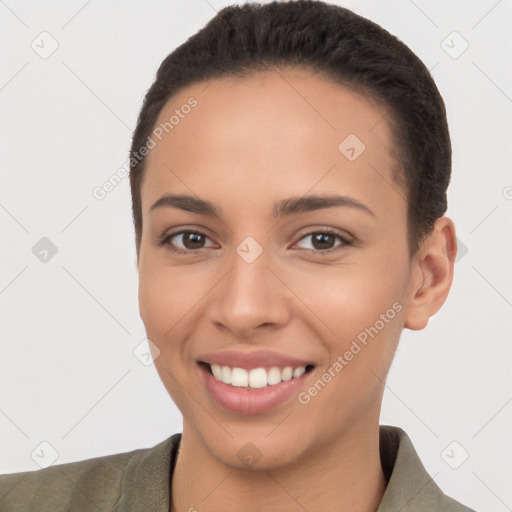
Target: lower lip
251,401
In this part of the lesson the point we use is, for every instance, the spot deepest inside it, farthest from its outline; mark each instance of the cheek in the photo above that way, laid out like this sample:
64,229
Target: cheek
360,308
166,296
364,316
348,298
155,302
166,300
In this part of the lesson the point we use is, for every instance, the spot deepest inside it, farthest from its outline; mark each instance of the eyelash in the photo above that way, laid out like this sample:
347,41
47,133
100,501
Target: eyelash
345,241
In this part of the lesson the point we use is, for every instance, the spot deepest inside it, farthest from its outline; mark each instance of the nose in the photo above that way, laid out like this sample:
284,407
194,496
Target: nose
250,298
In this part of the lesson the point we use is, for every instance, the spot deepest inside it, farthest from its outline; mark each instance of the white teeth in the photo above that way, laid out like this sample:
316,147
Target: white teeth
299,371
225,375
255,378
287,373
274,376
217,371
239,378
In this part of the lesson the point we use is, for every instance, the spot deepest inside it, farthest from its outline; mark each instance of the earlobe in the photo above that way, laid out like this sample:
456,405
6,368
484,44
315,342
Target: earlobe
432,274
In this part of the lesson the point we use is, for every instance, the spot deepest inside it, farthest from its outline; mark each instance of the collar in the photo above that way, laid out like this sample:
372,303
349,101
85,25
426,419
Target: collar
410,488
147,479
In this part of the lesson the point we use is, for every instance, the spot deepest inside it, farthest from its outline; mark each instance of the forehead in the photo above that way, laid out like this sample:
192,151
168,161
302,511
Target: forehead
270,98
267,126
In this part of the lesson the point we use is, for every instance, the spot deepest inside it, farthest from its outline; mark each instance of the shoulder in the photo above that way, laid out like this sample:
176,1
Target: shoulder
74,482
92,484
410,488
450,505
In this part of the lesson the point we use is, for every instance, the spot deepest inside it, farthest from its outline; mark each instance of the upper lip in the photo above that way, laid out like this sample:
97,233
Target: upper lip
251,360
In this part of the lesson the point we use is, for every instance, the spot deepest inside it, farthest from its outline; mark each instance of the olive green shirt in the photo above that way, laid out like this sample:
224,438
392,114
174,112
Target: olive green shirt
140,481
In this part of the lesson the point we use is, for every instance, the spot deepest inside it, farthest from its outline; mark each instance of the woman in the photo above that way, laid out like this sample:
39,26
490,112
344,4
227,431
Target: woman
288,174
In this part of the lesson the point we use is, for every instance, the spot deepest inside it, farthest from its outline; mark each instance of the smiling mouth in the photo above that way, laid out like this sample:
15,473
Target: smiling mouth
255,378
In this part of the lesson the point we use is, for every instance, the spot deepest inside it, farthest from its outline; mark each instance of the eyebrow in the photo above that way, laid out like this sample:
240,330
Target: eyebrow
281,209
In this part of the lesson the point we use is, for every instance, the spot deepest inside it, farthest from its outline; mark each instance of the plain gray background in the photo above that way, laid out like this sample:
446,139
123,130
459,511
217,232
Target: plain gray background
68,373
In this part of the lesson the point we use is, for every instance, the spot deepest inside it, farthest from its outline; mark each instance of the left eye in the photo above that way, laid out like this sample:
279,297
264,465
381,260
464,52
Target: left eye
190,240
324,240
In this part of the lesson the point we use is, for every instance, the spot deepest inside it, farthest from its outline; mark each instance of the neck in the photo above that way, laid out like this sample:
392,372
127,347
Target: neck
343,476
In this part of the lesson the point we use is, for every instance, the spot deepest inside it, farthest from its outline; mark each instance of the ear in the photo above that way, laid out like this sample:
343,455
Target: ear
431,274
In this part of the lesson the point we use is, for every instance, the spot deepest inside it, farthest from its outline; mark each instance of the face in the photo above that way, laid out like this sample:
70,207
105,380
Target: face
288,255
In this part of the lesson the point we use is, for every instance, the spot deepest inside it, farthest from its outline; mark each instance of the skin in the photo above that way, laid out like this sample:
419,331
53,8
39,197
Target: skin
247,144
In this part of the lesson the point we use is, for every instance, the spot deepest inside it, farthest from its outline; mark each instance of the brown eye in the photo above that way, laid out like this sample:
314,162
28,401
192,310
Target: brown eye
324,241
192,240
186,241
